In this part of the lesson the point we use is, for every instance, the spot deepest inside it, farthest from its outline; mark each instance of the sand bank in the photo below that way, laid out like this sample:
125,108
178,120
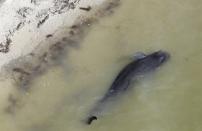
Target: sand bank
26,24
33,35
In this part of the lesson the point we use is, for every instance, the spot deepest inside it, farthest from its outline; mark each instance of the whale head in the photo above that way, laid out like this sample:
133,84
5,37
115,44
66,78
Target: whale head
152,61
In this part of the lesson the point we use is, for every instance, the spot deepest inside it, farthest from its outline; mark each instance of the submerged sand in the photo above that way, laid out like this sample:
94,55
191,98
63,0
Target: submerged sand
33,35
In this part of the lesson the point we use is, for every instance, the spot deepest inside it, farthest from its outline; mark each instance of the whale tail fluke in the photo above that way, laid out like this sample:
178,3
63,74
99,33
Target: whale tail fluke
90,119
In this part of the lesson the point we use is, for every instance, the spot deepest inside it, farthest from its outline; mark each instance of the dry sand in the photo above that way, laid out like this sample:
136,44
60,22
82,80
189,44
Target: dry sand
26,23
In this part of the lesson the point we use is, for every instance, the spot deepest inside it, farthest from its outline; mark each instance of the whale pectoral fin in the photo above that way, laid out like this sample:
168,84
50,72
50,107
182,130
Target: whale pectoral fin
125,85
135,56
139,55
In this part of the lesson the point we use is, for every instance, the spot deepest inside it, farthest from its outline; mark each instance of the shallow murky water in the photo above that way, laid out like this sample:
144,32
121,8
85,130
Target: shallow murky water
168,99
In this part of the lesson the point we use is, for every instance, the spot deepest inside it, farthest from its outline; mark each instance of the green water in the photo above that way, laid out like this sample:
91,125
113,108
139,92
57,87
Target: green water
170,99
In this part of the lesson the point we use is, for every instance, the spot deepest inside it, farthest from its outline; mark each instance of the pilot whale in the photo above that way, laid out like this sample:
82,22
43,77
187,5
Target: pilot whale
142,65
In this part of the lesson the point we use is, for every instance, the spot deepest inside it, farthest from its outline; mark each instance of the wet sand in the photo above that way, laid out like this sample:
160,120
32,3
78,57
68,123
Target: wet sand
31,56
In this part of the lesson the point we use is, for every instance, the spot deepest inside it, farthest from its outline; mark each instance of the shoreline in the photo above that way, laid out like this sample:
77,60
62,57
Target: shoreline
35,21
47,52
18,71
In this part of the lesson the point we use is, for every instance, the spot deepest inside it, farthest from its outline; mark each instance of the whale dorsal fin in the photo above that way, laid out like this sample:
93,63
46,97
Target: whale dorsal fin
139,55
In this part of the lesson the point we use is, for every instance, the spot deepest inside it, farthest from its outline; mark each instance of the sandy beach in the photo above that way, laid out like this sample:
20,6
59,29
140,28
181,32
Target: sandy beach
36,21
33,35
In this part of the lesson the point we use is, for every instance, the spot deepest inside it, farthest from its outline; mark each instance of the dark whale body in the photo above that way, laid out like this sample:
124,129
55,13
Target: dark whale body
136,68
